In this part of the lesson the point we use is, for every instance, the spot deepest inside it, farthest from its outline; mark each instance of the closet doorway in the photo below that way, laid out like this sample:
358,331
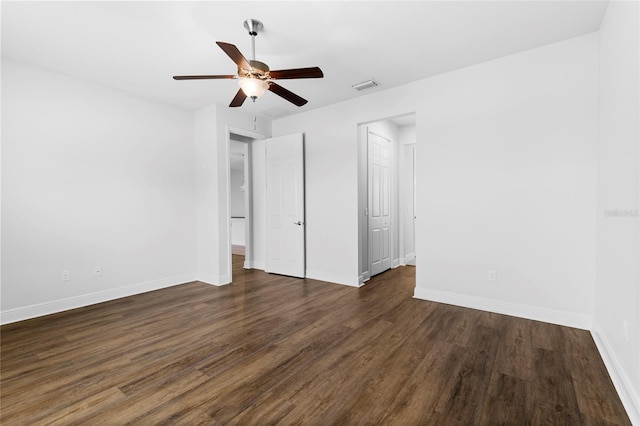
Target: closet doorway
386,195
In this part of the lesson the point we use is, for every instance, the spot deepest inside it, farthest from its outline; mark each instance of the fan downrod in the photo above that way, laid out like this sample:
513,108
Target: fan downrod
253,26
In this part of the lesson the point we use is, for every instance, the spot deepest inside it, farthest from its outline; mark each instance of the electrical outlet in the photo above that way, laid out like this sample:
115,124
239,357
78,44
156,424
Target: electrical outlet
97,271
625,331
65,275
492,275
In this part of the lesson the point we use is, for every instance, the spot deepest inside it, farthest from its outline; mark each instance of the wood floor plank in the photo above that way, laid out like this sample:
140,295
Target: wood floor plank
269,349
513,356
75,412
165,387
415,403
553,395
368,401
590,378
464,396
508,398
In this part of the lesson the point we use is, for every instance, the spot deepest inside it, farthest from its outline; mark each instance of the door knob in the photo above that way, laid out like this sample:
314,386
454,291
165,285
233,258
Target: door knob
297,223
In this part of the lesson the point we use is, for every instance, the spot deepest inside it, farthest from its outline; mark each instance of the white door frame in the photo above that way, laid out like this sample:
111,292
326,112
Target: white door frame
248,196
405,217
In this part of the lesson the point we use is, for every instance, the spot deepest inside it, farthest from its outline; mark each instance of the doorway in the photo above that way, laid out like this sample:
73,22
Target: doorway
238,152
241,209
386,195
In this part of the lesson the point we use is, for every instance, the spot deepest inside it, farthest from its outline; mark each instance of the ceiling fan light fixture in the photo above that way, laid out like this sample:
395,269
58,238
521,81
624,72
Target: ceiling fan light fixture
253,87
254,77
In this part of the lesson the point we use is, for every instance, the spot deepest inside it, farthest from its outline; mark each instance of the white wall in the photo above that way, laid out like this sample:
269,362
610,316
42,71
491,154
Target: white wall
237,188
236,195
407,139
258,205
618,259
407,134
506,181
238,234
90,176
206,169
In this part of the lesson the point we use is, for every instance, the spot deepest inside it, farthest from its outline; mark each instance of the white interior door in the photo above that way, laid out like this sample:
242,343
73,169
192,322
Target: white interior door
379,165
285,205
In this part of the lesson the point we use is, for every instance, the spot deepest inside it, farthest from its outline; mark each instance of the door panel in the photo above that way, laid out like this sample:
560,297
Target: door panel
379,163
375,246
285,205
375,190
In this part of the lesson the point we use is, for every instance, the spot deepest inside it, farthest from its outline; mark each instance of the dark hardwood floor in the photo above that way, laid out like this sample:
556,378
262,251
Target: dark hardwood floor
271,349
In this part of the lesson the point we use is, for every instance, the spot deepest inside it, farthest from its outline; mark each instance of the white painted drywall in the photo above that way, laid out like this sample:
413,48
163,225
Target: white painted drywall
238,234
90,177
236,206
236,195
407,139
618,260
506,181
207,194
407,134
259,205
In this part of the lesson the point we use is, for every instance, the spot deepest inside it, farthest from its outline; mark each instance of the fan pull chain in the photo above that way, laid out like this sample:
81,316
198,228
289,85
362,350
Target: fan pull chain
254,122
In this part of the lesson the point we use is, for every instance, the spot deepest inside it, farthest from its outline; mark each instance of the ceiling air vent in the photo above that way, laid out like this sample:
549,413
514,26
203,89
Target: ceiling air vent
365,85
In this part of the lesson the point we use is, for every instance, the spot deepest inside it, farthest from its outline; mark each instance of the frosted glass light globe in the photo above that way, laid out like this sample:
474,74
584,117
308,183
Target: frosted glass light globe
253,87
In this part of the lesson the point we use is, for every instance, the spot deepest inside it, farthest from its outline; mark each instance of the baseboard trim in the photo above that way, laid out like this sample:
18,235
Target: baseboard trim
409,257
55,306
629,396
332,278
249,264
363,278
583,322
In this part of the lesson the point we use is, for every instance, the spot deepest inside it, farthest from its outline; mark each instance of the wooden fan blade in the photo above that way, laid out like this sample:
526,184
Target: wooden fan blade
238,100
286,94
202,77
234,54
313,72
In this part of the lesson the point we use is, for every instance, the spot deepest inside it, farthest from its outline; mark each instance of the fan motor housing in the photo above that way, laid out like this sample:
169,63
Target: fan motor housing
258,69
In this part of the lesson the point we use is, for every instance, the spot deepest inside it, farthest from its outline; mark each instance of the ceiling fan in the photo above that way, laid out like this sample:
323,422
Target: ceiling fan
255,77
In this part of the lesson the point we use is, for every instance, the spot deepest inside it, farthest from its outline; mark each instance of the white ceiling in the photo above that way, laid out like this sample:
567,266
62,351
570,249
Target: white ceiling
137,46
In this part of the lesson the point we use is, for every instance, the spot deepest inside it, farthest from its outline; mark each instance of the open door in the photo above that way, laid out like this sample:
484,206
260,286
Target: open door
285,205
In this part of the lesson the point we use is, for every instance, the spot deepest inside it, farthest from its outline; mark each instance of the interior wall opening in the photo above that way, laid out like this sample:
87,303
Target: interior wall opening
240,192
386,194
